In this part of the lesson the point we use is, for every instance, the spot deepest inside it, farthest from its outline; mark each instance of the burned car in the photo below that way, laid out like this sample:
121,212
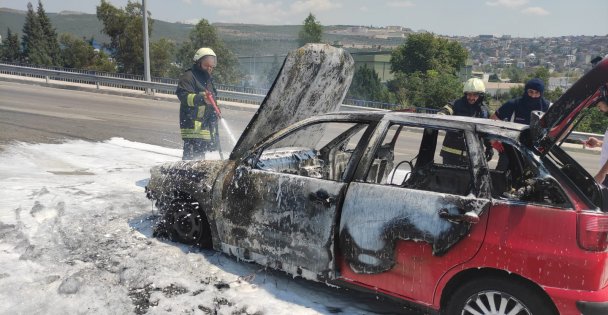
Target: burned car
363,199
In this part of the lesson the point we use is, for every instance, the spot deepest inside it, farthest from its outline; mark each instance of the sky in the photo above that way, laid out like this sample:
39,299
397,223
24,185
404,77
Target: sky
519,18
76,238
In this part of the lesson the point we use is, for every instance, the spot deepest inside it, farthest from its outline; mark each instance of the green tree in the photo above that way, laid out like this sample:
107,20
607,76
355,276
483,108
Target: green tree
424,51
594,122
76,53
432,89
205,35
102,62
50,42
541,73
311,32
514,74
554,95
366,85
425,68
493,78
32,39
10,48
124,27
79,54
161,57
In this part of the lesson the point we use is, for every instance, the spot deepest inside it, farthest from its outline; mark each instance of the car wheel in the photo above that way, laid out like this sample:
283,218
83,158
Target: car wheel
188,224
497,296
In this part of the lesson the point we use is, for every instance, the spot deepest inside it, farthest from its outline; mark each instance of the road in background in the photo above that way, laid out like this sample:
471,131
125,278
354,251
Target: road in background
40,114
34,114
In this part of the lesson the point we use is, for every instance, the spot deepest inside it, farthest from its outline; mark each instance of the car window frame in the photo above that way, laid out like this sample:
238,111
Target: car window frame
479,189
540,167
252,159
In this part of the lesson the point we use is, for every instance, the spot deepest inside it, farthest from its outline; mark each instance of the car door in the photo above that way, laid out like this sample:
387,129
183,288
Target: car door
400,232
280,207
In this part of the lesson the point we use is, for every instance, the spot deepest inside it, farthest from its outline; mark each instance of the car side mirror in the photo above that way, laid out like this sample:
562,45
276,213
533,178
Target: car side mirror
250,160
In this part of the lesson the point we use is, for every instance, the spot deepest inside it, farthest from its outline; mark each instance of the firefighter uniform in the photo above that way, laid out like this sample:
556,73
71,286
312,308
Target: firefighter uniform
454,150
197,120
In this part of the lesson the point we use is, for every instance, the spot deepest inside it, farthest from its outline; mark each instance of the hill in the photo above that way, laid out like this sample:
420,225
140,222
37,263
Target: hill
86,25
243,39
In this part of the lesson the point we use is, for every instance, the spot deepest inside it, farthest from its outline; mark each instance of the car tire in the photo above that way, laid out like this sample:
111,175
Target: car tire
187,223
485,296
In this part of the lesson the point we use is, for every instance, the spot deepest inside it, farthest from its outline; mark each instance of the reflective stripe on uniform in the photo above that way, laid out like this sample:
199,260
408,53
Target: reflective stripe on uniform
449,109
191,99
196,132
201,112
454,151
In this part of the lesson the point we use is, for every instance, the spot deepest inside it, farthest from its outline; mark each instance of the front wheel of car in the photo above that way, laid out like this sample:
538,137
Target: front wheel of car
498,296
188,224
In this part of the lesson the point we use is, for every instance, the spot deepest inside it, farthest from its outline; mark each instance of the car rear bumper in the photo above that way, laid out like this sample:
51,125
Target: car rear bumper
579,302
592,308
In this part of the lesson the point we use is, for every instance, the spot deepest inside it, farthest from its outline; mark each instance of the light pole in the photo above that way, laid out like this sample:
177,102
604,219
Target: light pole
146,46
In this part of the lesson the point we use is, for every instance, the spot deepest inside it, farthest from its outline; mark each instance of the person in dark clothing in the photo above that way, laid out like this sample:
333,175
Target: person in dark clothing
197,117
518,110
471,104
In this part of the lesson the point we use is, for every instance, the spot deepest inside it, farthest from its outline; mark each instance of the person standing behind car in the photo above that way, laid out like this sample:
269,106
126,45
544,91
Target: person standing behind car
593,142
197,117
471,104
519,110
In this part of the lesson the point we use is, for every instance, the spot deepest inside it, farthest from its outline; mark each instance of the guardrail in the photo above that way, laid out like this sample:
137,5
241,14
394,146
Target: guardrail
98,79
167,86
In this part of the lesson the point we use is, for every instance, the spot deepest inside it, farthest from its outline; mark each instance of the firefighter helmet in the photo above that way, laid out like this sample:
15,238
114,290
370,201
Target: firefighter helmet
202,52
474,85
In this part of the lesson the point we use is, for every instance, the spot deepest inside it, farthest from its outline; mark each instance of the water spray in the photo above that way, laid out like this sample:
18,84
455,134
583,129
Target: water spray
222,120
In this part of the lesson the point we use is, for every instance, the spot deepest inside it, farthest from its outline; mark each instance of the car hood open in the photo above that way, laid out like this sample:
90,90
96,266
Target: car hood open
313,80
557,122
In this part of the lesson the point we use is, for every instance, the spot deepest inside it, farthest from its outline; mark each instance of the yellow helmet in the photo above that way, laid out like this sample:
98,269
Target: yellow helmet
474,85
202,52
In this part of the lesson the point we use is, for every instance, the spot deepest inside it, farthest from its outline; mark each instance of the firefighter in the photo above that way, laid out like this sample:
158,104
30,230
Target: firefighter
471,104
197,117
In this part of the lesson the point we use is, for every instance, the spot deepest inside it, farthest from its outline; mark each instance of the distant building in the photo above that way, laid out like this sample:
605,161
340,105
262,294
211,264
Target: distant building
486,36
394,28
378,60
559,82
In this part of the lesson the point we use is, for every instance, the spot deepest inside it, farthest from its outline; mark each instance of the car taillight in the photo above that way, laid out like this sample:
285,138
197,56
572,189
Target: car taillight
592,231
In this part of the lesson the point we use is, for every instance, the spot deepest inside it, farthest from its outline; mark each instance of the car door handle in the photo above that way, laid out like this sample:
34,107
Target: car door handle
322,197
469,217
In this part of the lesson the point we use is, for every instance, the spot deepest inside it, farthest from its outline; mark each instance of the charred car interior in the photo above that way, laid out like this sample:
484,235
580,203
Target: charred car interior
368,199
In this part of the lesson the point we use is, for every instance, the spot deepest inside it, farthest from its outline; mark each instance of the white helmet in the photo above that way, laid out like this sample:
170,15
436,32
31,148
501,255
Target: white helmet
474,85
202,52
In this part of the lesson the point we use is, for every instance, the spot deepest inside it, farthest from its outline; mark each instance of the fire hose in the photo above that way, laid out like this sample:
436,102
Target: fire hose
219,116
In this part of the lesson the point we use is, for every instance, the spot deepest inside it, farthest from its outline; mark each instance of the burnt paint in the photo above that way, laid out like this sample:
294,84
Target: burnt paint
273,215
374,217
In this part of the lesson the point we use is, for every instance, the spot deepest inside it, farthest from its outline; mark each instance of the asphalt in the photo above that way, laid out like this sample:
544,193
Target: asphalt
576,147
